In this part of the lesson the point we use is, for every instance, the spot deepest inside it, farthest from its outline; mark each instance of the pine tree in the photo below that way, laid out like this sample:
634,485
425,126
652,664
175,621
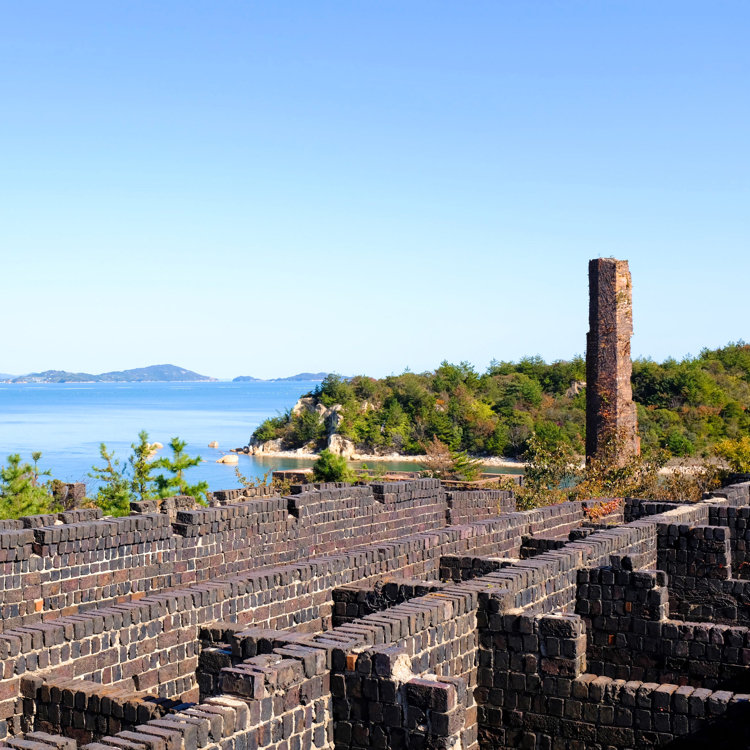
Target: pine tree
331,468
142,481
177,465
114,494
20,493
36,473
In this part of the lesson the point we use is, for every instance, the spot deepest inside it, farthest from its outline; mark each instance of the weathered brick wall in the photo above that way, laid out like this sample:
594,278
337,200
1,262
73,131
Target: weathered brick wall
698,563
50,568
534,692
356,600
413,686
64,569
630,636
276,701
737,521
151,643
492,655
468,506
86,710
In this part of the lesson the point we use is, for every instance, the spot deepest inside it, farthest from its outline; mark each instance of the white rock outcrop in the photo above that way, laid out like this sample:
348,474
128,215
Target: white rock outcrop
333,418
306,403
270,446
341,446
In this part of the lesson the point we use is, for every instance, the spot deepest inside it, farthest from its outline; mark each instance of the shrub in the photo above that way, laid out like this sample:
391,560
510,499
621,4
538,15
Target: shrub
736,453
331,468
114,494
20,491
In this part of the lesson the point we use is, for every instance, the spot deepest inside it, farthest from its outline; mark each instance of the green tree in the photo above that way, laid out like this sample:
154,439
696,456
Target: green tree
333,390
142,481
114,493
547,470
443,463
331,468
736,453
36,473
20,493
687,406
272,428
177,465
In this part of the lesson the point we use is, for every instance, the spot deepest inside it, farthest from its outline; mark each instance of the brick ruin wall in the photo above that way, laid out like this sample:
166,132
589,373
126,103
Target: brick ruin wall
391,615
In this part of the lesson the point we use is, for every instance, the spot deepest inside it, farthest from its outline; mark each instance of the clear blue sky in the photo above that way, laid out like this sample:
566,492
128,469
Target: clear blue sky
265,187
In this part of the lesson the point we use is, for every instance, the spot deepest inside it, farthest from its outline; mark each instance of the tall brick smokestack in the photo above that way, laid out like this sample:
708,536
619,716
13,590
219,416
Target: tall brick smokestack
610,410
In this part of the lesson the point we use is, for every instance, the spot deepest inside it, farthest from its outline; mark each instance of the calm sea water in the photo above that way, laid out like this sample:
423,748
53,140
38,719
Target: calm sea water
67,421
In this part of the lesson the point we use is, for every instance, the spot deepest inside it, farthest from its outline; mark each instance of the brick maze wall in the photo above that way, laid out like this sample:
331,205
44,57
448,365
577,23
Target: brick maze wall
225,632
98,645
468,506
50,568
534,692
630,636
414,686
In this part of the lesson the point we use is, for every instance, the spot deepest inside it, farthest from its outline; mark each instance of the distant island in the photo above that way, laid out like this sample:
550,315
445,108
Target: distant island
302,376
153,373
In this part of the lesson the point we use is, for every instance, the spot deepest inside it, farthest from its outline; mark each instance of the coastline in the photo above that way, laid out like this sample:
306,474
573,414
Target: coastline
672,466
501,461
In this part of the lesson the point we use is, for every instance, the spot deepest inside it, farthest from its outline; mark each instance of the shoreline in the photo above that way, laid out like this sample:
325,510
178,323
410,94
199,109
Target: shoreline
500,461
503,462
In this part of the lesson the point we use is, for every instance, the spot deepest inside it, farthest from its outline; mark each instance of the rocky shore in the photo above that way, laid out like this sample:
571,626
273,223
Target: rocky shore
501,461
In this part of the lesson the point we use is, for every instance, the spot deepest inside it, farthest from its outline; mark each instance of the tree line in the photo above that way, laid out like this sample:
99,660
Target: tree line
689,408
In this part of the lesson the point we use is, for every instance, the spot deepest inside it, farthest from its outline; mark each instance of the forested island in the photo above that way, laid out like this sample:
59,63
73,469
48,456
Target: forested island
685,407
301,376
152,373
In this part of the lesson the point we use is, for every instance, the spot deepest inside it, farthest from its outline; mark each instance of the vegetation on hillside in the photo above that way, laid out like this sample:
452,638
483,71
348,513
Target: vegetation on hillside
684,407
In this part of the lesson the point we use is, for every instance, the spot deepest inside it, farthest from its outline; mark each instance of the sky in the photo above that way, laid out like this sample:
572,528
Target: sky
262,188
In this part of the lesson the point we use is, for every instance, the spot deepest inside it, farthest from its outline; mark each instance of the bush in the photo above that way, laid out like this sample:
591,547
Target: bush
331,468
114,493
736,453
21,493
678,445
271,428
443,463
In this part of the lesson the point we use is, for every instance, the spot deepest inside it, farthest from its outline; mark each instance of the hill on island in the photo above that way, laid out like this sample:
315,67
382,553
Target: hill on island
153,373
301,376
685,406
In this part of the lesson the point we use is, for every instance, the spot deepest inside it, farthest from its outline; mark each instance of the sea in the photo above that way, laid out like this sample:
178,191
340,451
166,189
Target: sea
68,421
